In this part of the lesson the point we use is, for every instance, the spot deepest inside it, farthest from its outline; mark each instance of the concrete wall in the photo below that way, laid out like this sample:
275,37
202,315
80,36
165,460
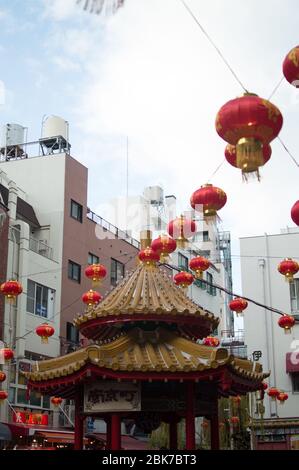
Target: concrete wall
261,281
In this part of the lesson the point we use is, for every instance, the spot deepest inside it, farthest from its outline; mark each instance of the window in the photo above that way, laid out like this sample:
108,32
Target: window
201,236
294,294
40,299
72,333
295,382
210,289
183,262
74,271
76,211
93,259
117,271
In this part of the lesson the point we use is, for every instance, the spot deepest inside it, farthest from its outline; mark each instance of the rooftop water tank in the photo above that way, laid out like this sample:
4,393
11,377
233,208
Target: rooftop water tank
12,135
54,126
154,194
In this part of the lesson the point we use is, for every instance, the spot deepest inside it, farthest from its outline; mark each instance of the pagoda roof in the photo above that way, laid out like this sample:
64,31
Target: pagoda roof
147,293
141,355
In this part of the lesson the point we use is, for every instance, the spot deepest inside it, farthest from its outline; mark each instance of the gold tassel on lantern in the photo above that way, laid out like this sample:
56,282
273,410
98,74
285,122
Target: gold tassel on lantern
249,156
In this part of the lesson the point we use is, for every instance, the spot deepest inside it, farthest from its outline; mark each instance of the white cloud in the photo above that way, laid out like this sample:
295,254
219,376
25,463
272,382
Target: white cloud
152,75
60,10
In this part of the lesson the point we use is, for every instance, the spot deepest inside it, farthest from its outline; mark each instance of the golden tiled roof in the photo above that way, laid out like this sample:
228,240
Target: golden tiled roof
140,351
147,290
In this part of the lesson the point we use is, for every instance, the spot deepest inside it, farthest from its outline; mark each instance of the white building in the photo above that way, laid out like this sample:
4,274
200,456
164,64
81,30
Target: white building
152,211
262,282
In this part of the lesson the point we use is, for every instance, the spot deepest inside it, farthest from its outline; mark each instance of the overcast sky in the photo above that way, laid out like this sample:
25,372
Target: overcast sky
149,73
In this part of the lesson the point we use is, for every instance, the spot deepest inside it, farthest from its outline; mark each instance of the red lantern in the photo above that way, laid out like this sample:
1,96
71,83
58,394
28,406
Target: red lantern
237,400
2,376
238,305
208,200
291,67
91,298
96,272
199,265
249,123
211,341
56,401
45,331
288,268
11,290
235,421
231,154
149,257
7,354
264,386
286,322
181,229
183,279
164,245
3,396
282,397
295,213
273,393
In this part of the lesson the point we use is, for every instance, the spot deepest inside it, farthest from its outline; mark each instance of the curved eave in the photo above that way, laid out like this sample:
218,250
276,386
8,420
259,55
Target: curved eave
192,325
65,386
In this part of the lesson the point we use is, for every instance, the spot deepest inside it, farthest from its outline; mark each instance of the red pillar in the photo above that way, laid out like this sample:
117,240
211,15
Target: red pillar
115,432
190,416
108,433
79,419
215,442
173,435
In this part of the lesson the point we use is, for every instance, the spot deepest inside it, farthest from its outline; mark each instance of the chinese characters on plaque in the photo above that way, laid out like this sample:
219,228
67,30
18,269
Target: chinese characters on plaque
112,396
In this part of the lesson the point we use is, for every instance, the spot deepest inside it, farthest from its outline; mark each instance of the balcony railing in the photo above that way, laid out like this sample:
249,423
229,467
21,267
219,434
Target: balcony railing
40,248
120,234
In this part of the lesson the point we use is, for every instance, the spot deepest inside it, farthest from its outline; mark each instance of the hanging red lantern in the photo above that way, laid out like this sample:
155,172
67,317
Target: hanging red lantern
183,279
208,200
181,229
96,272
45,331
149,257
11,290
3,396
286,322
235,421
295,213
205,425
199,265
238,305
282,397
291,67
288,268
56,401
273,393
7,354
164,245
231,154
264,386
91,298
249,123
237,400
2,376
211,341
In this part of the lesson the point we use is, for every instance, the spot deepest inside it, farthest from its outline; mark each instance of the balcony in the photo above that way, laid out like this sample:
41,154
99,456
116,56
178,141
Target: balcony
41,248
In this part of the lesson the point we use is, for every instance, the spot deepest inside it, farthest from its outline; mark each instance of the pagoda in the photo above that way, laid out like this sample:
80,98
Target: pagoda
144,362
